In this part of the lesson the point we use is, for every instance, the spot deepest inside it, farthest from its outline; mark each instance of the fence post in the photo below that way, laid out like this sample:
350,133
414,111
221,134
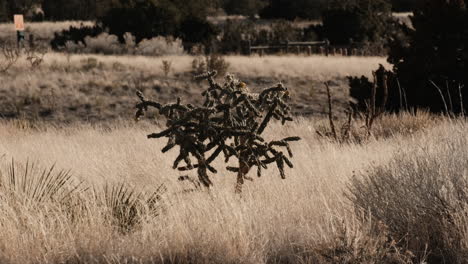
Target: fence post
31,41
327,47
309,50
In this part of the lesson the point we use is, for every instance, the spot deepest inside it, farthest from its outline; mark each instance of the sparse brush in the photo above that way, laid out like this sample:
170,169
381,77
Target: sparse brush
371,115
344,134
231,122
35,56
10,57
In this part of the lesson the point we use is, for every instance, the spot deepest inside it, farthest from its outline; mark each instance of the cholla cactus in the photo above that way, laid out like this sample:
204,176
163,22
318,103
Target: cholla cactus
231,121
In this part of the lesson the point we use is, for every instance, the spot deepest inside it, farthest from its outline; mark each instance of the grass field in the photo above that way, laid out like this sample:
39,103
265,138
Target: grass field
307,218
95,88
398,195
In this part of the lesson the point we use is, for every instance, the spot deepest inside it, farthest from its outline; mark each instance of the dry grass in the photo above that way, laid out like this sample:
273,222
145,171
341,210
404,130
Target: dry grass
94,87
303,219
317,67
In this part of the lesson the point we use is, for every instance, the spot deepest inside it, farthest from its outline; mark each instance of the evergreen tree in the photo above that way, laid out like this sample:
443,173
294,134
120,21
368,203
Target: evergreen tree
290,10
359,20
243,7
434,51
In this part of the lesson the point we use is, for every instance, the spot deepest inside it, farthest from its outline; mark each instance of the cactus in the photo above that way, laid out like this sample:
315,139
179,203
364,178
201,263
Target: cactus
230,122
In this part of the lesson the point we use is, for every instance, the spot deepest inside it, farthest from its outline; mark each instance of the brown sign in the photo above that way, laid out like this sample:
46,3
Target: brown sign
19,22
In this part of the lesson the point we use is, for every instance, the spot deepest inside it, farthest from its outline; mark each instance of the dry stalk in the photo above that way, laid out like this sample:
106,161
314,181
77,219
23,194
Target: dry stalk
345,131
11,56
374,112
330,112
35,57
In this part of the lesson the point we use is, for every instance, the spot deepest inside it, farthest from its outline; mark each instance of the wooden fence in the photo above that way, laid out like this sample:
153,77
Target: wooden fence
310,48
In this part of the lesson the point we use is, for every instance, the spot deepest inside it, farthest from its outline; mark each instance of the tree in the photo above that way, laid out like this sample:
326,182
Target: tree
359,20
243,7
4,12
144,20
69,9
290,10
431,60
230,122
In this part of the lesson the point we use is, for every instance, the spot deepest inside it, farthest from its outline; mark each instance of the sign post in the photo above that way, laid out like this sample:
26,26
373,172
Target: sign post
19,27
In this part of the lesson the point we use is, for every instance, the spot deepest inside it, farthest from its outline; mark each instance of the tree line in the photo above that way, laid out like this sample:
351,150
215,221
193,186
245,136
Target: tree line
56,10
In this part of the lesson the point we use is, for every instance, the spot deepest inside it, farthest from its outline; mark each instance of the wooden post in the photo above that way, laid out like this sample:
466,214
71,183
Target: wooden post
309,50
31,41
327,47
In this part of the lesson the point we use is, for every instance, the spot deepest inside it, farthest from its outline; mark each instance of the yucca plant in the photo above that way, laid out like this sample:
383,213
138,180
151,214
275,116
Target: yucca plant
127,206
231,121
32,186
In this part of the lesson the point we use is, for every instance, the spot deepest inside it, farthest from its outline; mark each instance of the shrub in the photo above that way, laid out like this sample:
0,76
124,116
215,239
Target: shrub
75,35
229,122
213,62
160,46
421,196
109,44
103,44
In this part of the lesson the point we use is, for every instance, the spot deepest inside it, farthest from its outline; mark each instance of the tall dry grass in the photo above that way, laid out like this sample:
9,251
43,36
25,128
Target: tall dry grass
320,68
306,218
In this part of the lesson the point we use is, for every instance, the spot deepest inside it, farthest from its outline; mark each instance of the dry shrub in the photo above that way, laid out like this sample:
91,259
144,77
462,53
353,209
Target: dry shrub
109,44
160,46
354,130
405,124
213,62
422,196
